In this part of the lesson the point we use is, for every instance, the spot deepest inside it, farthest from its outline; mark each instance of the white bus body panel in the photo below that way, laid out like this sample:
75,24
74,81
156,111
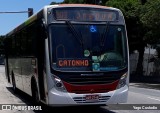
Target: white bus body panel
22,71
58,98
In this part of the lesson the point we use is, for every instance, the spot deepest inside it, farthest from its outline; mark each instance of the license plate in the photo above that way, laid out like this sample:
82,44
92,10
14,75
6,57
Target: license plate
92,97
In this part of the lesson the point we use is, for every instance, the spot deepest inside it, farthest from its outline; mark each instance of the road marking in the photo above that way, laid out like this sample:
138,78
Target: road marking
153,98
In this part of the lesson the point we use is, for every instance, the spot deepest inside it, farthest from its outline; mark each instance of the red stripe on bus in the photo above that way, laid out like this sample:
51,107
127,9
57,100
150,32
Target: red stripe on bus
96,88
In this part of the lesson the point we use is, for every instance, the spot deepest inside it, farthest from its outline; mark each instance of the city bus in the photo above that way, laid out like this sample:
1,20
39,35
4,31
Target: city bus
70,54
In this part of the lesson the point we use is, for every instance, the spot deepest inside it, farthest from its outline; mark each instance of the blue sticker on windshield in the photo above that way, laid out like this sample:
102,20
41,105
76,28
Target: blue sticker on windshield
96,66
108,68
93,28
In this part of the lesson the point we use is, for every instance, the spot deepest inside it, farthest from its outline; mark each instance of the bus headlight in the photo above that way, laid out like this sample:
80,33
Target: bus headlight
58,84
122,81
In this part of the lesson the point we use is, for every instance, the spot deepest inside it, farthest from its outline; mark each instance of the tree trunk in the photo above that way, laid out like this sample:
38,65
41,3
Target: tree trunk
139,69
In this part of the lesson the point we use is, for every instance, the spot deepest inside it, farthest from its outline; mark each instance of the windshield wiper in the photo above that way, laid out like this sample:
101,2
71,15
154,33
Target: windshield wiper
103,39
75,33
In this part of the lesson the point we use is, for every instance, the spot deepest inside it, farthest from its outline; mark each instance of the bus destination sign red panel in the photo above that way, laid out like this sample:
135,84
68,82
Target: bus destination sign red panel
73,63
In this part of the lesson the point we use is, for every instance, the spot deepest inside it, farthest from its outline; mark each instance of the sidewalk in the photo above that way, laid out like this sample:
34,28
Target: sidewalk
6,96
146,85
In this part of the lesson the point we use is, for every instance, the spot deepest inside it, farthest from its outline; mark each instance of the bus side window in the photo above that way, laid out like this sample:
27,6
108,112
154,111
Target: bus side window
31,44
18,44
24,42
12,46
8,46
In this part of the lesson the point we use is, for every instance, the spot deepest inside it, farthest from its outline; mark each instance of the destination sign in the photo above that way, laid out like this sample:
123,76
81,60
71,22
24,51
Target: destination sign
72,63
85,14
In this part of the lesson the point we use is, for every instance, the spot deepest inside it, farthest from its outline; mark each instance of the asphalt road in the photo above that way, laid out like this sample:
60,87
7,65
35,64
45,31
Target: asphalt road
140,97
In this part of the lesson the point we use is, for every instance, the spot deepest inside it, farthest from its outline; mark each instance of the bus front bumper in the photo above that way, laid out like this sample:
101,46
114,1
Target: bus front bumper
59,98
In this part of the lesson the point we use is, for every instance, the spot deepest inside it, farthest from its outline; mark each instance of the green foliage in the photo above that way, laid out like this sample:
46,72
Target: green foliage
74,1
52,3
150,17
85,1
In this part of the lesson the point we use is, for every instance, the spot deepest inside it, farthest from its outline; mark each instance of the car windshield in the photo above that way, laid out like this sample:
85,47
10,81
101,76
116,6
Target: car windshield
88,47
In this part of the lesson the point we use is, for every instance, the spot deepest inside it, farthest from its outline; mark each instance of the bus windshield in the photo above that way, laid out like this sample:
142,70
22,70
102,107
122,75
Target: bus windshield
88,47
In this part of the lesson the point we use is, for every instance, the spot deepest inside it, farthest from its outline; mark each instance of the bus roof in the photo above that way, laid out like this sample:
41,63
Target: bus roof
82,5
34,16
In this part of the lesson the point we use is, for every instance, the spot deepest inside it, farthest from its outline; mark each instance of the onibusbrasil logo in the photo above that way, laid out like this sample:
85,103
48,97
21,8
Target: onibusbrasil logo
20,107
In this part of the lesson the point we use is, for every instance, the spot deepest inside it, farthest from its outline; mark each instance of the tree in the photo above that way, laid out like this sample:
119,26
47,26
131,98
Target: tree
53,3
151,19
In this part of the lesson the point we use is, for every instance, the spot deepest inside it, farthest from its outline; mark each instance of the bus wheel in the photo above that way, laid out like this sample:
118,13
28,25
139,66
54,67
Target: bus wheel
35,93
14,84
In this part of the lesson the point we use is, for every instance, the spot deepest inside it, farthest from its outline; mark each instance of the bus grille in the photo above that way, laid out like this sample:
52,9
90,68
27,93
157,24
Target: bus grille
92,80
93,88
83,100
